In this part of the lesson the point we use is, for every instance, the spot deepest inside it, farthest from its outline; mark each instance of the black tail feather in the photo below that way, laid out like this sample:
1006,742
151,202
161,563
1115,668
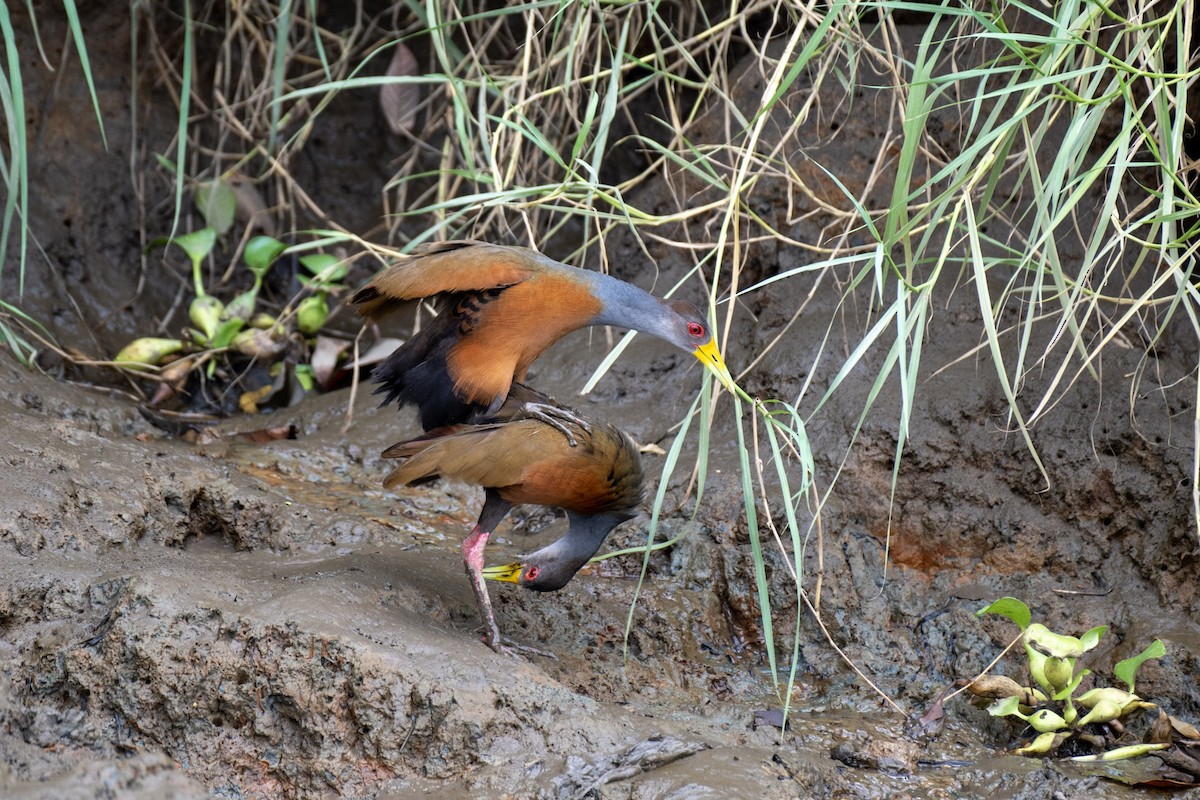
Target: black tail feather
416,374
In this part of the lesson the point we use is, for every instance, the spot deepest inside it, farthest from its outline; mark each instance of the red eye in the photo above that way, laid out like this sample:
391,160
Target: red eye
695,329
532,573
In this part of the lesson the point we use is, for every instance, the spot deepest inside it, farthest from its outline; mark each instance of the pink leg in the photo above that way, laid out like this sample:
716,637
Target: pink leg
495,508
472,550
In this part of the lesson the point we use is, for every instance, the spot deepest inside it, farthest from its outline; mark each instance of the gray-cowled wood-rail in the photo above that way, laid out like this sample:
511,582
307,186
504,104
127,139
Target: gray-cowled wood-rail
503,307
536,452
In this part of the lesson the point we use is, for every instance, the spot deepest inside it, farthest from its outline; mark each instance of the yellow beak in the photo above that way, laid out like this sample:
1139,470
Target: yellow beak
509,573
710,357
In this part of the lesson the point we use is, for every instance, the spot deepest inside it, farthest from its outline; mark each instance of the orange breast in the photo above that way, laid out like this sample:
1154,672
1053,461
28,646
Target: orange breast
515,329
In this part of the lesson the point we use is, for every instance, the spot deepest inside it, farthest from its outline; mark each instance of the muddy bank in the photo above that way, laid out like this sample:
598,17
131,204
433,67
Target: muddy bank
245,645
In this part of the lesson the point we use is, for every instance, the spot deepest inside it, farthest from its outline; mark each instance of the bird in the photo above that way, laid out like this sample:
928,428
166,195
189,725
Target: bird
533,451
503,307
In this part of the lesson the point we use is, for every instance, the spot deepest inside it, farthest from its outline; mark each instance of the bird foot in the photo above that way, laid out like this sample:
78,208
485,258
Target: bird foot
558,418
509,647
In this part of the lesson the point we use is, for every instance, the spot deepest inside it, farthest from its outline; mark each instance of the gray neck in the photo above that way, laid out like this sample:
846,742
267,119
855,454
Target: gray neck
564,557
627,306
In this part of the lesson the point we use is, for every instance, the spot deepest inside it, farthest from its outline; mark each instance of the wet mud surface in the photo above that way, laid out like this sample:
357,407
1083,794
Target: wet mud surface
254,621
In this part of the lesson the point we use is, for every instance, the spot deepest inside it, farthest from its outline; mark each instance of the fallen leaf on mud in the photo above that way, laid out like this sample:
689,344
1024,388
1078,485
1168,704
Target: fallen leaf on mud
1185,729
174,377
399,101
997,687
325,359
931,722
377,352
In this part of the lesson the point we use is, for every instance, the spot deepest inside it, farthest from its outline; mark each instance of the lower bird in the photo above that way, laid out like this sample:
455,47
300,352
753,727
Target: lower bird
534,451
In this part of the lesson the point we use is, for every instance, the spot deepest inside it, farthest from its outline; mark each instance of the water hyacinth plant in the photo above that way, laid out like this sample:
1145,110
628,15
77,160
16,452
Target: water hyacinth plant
1062,718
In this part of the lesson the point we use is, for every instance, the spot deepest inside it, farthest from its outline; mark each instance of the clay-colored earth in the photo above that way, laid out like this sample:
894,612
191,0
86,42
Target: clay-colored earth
252,621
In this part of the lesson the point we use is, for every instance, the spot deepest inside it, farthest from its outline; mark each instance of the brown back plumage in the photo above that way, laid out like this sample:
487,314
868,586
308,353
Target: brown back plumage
444,268
529,461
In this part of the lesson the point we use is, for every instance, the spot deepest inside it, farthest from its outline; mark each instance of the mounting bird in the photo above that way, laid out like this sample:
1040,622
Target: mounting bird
504,306
537,452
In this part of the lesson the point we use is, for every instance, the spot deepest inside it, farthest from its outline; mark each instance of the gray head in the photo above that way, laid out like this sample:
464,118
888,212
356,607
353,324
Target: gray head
552,567
676,321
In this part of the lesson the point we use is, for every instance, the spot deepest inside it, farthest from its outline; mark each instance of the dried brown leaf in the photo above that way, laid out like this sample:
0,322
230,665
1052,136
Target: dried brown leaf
399,101
377,352
325,359
1160,731
251,208
1186,730
997,687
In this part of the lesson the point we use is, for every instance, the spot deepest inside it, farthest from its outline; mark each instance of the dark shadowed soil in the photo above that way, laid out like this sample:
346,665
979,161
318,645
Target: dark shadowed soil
238,620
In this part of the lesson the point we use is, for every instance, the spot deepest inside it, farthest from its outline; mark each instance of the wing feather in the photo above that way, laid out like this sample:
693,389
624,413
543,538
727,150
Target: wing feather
455,267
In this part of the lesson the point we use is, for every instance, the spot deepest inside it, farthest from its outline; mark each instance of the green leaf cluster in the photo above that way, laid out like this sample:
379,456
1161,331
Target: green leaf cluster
1057,712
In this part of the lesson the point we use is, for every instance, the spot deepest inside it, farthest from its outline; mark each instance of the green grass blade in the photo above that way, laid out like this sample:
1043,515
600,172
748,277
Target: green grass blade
81,48
17,175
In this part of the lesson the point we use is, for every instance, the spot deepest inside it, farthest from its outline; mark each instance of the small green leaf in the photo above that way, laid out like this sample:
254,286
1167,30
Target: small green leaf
217,203
262,320
1092,637
1009,607
261,252
1110,693
242,306
1044,743
197,244
1070,688
165,163
1051,643
1037,667
305,377
1046,720
1059,672
229,329
324,267
148,350
1007,707
1102,711
1126,670
311,314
